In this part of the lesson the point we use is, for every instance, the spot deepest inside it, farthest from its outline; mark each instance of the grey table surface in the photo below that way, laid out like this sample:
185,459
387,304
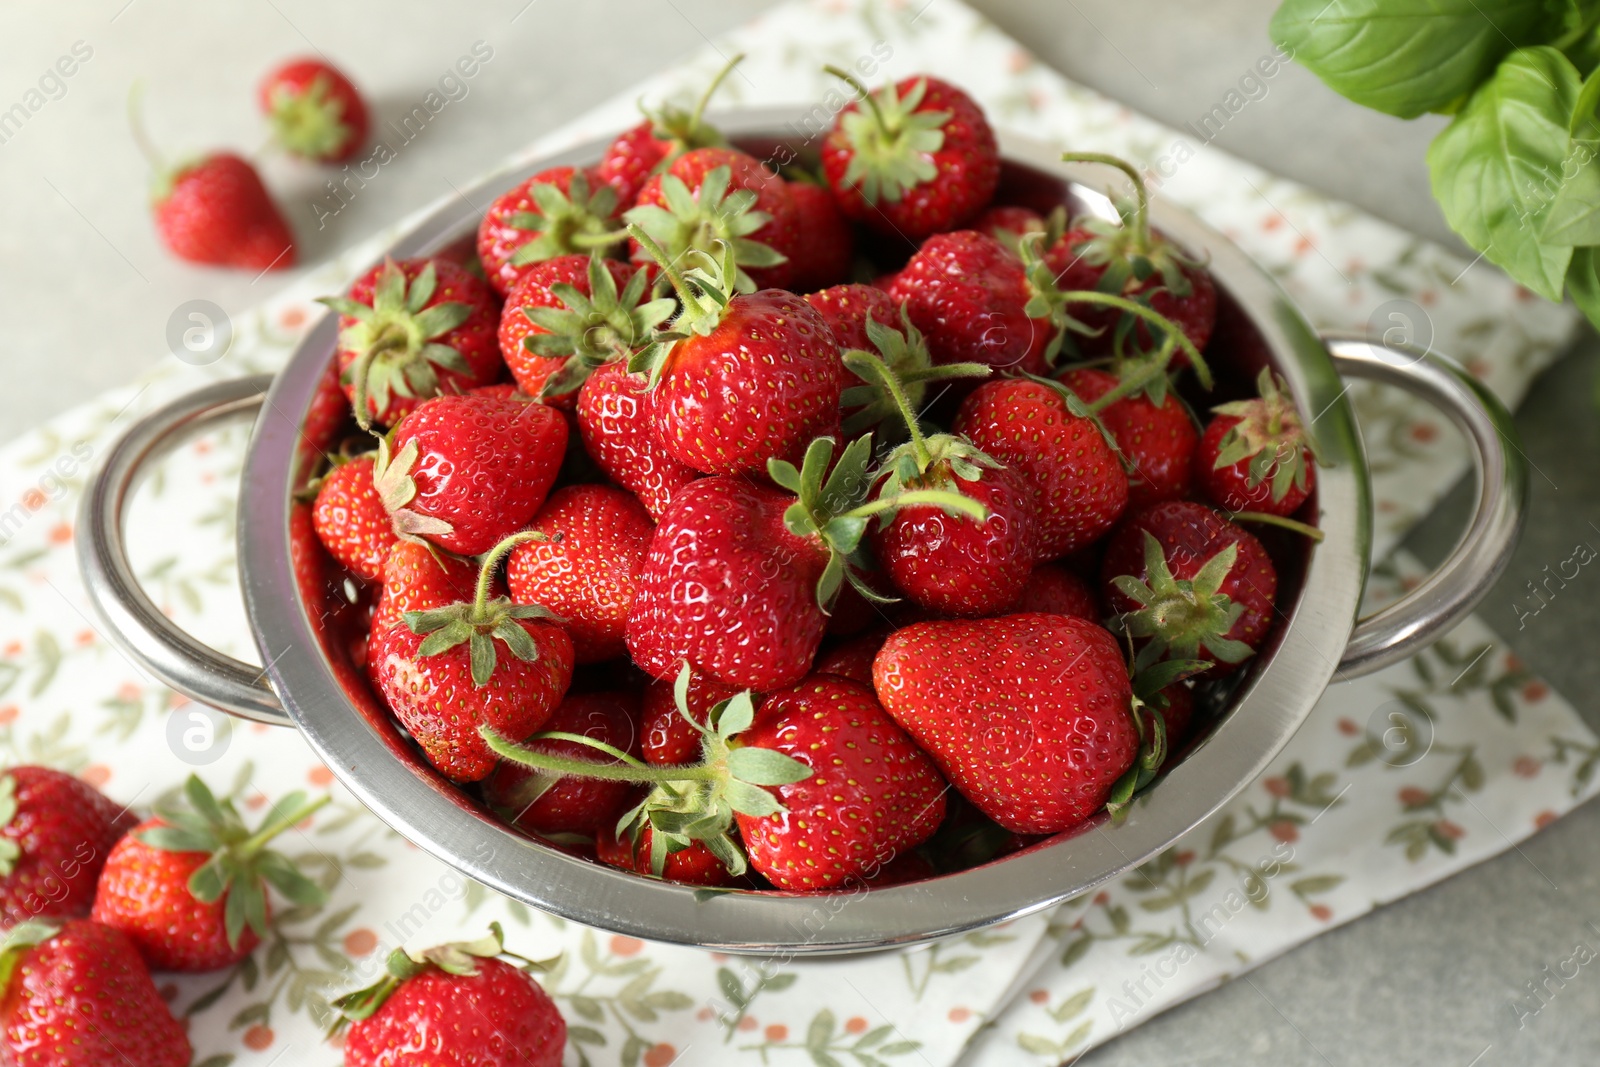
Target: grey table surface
86,291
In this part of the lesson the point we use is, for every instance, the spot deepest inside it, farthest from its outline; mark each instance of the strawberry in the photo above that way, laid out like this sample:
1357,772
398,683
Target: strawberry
1157,440
55,832
544,803
412,330
742,378
824,244
1256,455
350,518
417,578
78,995
1190,585
586,568
571,314
846,309
1056,589
468,471
440,674
453,1005
918,159
189,887
903,352
670,735
215,210
665,134
1007,221
614,422
719,195
557,212
694,865
853,658
1029,716
1028,426
316,113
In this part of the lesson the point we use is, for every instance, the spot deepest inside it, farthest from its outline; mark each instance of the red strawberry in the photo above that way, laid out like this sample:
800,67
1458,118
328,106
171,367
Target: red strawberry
412,330
918,159
216,210
544,803
1029,716
350,519
78,995
55,832
853,658
846,309
824,244
1027,425
1177,716
453,1005
189,887
571,314
743,378
308,560
669,736
557,212
1256,454
468,471
587,569
440,673
1190,584
695,865
1056,589
416,578
316,112
1157,440
666,133
1009,221
720,195
614,422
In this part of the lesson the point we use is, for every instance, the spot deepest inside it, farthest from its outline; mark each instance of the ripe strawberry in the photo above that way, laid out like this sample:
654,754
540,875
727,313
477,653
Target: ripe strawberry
441,676
557,212
350,518
215,210
1190,585
853,658
412,330
1006,222
78,995
846,309
416,578
855,314
919,159
1029,716
316,112
544,803
1056,589
665,134
614,422
669,735
1028,426
468,471
571,314
189,887
587,568
1256,454
55,832
1157,440
742,378
824,244
720,195
452,1005
695,865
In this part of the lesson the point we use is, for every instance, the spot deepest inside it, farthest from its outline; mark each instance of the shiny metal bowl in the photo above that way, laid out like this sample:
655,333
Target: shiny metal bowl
311,685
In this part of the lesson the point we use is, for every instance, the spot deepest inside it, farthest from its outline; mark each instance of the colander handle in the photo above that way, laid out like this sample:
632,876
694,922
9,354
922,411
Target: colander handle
133,624
1447,595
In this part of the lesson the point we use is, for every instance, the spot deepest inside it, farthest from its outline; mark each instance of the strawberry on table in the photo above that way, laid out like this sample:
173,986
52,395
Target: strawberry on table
350,519
666,133
1157,439
76,994
215,210
1256,455
189,887
316,112
457,1004
557,212
615,425
918,158
544,803
55,834
412,330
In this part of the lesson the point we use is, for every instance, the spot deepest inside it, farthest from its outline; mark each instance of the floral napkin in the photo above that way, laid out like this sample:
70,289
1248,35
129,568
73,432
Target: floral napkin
1395,781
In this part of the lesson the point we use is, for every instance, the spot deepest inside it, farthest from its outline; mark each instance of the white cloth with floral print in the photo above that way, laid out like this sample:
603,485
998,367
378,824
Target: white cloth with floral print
1327,834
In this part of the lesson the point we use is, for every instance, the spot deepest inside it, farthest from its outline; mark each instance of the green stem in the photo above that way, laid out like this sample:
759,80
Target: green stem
1133,383
1276,520
607,772
146,147
891,384
598,240
693,307
601,746
1141,216
862,91
716,83
937,497
258,840
491,562
947,370
1151,315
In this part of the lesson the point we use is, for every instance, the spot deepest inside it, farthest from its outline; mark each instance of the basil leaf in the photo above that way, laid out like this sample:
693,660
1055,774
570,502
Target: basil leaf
1490,167
1574,214
1406,57
1583,282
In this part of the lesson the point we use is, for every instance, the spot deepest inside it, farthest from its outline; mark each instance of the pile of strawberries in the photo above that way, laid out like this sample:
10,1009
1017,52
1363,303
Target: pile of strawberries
748,563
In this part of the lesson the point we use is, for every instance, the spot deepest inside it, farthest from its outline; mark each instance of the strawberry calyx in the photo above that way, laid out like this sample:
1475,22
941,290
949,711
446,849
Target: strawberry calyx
892,142
1055,227
391,478
1270,435
240,864
1149,685
590,331
906,356
18,940
581,219
10,851
309,123
1126,250
483,621
699,221
704,293
688,129
1179,616
395,339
